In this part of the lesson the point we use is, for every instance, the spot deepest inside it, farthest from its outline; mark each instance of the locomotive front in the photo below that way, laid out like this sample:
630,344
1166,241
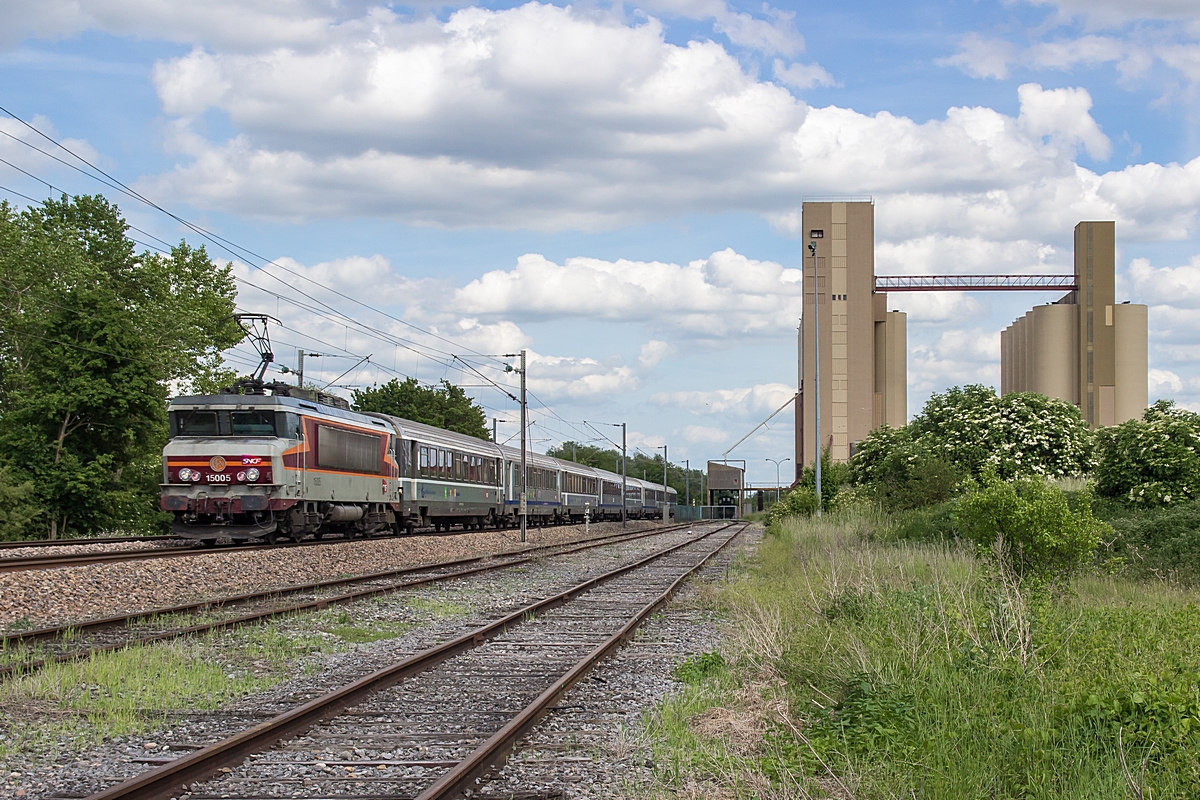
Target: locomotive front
223,467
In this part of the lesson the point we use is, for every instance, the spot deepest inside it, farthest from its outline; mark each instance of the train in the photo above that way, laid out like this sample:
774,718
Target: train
295,463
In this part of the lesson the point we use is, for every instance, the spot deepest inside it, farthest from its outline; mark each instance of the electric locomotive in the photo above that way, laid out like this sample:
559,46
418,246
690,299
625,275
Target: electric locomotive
275,467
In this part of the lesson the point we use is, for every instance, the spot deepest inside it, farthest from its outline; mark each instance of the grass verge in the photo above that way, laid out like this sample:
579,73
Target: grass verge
866,667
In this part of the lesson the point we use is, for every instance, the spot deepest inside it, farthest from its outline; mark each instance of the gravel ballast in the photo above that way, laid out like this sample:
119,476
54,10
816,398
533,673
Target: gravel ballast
66,769
36,598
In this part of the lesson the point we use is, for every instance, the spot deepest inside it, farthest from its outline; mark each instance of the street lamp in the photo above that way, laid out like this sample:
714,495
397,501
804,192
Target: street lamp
777,463
812,249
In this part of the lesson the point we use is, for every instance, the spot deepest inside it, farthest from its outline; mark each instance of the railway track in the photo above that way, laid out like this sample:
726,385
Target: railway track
21,563
444,719
25,651
70,542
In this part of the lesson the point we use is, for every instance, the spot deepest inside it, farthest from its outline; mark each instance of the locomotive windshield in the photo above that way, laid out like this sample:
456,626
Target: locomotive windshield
252,423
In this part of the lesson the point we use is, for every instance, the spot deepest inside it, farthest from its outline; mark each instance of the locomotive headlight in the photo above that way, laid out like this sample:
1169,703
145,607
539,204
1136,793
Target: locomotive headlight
252,474
195,475
185,474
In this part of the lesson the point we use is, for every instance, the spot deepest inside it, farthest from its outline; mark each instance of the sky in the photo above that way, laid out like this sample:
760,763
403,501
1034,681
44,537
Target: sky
616,187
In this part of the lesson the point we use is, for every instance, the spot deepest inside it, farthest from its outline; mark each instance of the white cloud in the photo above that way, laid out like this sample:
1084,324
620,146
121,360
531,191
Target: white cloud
1164,382
980,57
726,294
696,434
1173,286
1117,12
1062,115
239,24
774,35
653,352
765,397
955,358
802,76
600,124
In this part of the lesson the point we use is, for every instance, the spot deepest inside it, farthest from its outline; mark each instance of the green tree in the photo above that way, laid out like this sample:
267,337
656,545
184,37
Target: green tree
92,338
1154,461
446,406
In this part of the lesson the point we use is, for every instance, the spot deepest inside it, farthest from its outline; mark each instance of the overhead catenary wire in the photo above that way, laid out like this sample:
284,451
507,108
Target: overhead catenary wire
226,244
339,318
241,252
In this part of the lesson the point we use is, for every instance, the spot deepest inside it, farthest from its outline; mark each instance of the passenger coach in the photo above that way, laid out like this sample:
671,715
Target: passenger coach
283,467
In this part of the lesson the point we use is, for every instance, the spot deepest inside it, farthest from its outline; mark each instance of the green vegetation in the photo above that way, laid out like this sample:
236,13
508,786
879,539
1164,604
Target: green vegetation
1154,461
859,665
92,336
997,603
1030,526
446,406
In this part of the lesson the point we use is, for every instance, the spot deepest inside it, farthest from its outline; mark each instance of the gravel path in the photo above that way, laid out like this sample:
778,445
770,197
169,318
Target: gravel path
65,769
36,598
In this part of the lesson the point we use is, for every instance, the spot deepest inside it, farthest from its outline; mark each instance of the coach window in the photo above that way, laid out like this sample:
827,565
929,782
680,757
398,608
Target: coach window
424,461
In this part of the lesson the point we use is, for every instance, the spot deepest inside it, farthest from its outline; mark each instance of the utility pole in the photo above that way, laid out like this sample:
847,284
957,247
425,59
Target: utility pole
812,249
624,455
524,510
687,482
574,455
666,500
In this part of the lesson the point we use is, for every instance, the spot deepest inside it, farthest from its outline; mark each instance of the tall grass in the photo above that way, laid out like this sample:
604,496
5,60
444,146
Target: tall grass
863,668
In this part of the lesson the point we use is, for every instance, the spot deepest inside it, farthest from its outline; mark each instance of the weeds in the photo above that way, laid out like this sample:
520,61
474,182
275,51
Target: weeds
860,666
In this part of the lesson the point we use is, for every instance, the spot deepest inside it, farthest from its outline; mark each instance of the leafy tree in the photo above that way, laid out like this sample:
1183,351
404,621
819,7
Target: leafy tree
17,506
92,337
1021,433
905,473
446,406
1154,461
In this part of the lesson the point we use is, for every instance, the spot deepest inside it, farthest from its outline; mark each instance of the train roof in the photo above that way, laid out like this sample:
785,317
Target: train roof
247,401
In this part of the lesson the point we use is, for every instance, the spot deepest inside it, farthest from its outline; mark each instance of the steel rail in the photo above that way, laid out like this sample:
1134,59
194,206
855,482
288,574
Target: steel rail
97,540
163,782
20,564
503,561
494,752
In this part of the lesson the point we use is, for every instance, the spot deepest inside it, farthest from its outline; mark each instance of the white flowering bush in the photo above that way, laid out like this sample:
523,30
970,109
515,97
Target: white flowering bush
969,431
1018,435
1154,461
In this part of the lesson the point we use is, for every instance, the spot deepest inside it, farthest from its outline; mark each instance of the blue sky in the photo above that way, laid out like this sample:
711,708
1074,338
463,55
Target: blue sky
615,186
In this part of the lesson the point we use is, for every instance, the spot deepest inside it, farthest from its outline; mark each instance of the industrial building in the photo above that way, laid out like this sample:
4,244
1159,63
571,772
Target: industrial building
863,346
1085,348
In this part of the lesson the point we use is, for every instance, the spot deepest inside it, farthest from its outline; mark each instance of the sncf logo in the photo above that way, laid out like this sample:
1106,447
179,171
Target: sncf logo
250,461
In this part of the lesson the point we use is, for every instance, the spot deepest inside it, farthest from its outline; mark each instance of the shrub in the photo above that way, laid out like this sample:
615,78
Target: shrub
799,502
1040,534
1160,541
1154,461
905,473
18,508
966,432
